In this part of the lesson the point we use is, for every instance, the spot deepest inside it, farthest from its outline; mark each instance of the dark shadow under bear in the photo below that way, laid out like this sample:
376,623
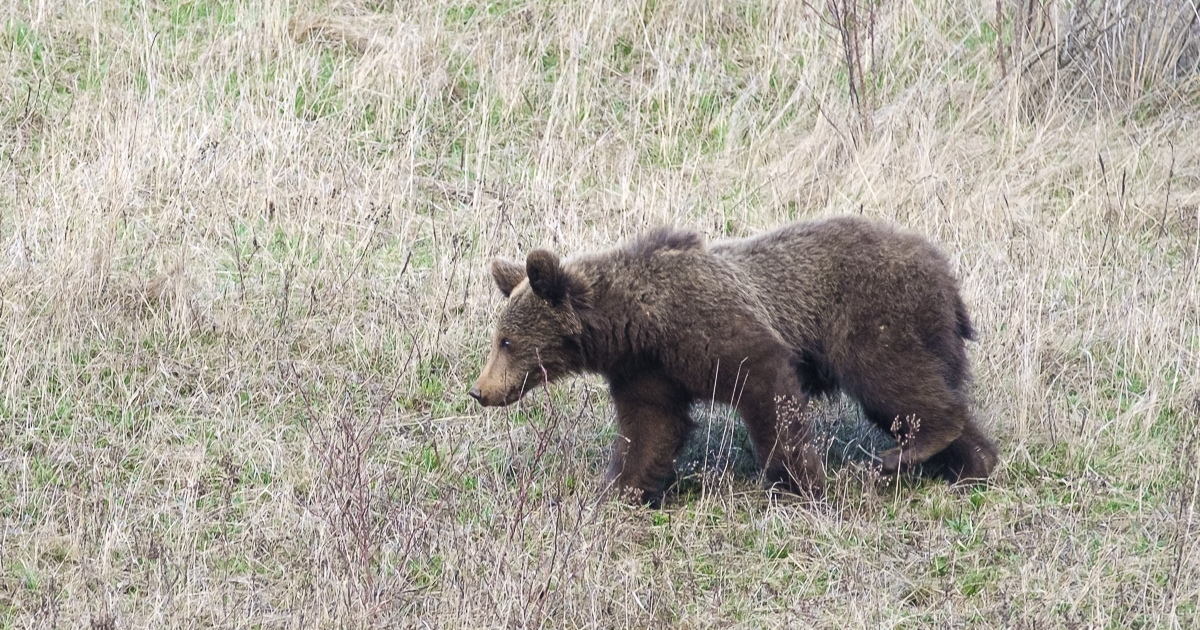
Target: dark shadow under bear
762,324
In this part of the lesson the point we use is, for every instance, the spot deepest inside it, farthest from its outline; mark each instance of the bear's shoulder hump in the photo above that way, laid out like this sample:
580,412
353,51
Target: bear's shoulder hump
665,239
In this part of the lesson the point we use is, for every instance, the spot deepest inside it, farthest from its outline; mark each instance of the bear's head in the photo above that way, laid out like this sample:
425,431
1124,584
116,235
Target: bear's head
537,339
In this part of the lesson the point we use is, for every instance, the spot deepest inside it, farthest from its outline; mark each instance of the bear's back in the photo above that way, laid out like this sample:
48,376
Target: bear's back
830,277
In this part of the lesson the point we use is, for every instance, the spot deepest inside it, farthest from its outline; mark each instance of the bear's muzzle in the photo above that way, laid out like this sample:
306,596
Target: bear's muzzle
492,399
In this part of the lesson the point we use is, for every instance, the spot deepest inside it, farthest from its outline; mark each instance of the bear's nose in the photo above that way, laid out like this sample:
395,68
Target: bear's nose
474,393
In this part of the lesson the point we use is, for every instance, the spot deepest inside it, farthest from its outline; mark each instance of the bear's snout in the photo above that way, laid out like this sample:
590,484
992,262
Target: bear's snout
495,387
488,399
483,399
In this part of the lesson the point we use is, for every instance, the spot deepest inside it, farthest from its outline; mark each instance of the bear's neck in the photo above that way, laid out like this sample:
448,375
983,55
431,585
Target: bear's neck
614,328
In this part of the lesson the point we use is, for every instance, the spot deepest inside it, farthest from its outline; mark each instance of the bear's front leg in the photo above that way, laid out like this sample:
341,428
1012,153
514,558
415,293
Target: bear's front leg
652,424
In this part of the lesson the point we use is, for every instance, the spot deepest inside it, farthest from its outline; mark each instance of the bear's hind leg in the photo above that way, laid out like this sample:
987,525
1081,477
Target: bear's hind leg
652,424
969,459
915,404
922,432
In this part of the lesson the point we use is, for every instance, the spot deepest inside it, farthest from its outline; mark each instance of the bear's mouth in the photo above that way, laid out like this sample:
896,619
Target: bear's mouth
499,399
490,400
486,400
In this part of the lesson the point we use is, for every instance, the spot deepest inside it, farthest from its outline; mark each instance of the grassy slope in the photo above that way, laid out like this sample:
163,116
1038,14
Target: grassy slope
242,292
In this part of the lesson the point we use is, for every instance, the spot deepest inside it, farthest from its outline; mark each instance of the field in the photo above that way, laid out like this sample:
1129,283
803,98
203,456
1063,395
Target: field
244,290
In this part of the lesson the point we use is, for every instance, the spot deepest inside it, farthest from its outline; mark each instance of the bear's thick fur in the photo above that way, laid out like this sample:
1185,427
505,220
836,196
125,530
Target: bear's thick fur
810,308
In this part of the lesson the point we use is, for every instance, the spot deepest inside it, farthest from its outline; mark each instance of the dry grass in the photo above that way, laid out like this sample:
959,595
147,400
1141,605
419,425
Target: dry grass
243,292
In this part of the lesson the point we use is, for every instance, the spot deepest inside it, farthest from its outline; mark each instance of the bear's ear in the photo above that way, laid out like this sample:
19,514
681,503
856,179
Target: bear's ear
507,274
551,282
546,276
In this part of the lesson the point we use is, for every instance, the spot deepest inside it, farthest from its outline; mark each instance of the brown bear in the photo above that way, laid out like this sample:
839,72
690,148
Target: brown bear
762,323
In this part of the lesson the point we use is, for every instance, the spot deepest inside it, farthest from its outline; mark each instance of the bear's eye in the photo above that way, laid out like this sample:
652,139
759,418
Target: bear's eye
505,343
